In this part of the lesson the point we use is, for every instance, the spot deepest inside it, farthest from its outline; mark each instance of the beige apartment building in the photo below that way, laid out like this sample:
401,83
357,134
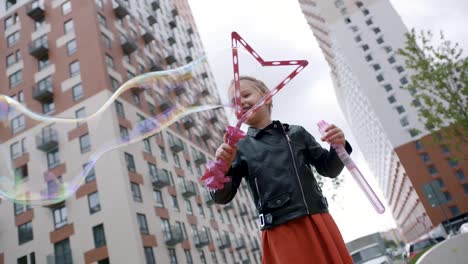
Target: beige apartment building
422,181
142,203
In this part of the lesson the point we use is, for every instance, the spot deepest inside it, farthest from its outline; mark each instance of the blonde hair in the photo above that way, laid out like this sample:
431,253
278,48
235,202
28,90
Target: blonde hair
258,84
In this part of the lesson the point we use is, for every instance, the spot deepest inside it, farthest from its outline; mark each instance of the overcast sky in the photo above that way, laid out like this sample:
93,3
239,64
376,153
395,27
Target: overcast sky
278,30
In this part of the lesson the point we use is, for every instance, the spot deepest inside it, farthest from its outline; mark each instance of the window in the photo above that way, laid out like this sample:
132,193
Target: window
376,30
376,67
391,99
68,26
369,22
15,150
22,260
202,256
12,59
79,114
93,203
85,144
188,256
114,83
77,92
17,124
347,20
130,162
74,68
404,80
136,98
454,210
91,175
62,252
25,233
445,150
12,39
432,170
60,217
99,236
176,159
354,28
365,12
149,255
365,47
453,163
380,78
106,40
43,64
400,69
102,20
11,20
66,8
380,40
359,4
215,259
200,209
188,206
404,121
48,108
136,193
465,187
142,224
388,87
15,78
175,204
110,61
163,153
172,256
425,157
460,174
53,159
357,38
400,109
368,57
147,145
416,103
414,132
119,109
21,208
158,198
71,47
391,60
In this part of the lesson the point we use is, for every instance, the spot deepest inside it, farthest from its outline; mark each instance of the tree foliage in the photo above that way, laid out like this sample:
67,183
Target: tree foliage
439,85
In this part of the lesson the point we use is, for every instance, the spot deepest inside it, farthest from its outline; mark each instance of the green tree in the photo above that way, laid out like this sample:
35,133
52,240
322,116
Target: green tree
439,85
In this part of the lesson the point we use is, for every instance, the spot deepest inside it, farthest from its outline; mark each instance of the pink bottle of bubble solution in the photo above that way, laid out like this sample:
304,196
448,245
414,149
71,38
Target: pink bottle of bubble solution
355,172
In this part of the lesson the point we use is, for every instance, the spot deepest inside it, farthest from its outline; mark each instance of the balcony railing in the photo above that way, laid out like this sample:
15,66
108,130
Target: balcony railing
173,235
120,10
201,239
47,140
188,188
128,45
160,179
176,145
36,10
39,48
43,91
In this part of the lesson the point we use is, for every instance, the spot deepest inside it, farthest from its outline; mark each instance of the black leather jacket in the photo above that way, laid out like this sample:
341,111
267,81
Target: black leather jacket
275,161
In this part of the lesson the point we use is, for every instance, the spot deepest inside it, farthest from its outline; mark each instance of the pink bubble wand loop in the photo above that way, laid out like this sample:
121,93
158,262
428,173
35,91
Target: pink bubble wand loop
355,172
215,173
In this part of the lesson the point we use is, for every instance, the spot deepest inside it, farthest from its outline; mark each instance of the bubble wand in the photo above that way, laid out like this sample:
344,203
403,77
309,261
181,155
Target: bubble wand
215,173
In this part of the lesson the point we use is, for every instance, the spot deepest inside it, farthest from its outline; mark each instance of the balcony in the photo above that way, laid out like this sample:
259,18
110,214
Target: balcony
43,91
188,122
171,41
200,158
208,199
175,12
36,10
47,140
179,90
39,48
243,210
190,44
201,239
240,243
229,206
188,188
128,45
155,5
224,241
170,59
213,119
176,145
188,59
190,31
160,179
204,92
155,66
120,10
254,245
151,20
173,235
206,135
147,36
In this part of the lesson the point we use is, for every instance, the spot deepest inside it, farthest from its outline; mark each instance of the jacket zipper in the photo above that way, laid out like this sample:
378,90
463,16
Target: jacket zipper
295,168
259,195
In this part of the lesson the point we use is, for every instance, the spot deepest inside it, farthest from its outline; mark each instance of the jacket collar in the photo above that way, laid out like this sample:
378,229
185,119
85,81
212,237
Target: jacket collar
253,132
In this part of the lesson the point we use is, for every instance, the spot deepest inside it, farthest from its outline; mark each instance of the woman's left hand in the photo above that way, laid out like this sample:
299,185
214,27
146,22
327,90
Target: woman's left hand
334,135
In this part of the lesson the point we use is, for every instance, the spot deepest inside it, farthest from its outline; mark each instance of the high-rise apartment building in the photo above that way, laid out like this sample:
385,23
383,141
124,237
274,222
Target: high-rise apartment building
142,203
419,179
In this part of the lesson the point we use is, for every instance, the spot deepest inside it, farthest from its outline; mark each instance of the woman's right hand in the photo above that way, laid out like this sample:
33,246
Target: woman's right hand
226,153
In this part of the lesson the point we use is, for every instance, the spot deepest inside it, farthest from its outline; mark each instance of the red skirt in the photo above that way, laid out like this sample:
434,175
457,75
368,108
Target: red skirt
309,239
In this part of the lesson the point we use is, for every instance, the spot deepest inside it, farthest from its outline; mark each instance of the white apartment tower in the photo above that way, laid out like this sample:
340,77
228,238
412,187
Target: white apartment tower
142,203
359,40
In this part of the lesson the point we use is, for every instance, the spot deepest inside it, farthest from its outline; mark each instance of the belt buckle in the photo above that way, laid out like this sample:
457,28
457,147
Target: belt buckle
261,218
